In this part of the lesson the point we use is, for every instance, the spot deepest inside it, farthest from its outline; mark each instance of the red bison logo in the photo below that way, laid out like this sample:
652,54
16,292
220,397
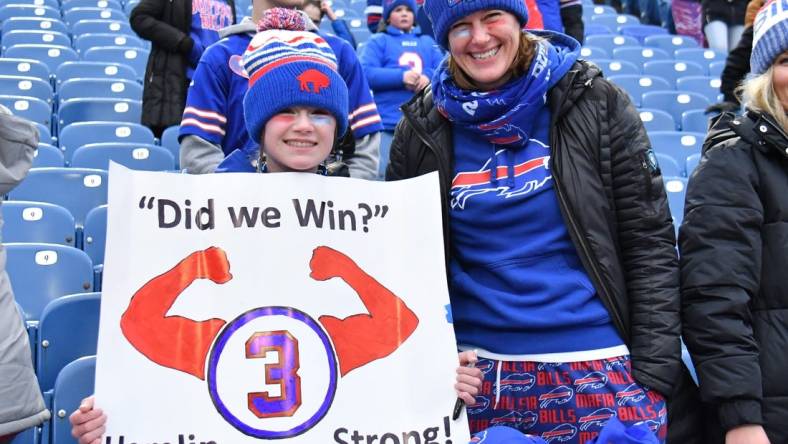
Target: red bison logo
315,78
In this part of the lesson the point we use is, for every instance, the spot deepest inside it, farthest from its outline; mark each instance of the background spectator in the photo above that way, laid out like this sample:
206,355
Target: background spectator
723,23
179,31
317,9
734,252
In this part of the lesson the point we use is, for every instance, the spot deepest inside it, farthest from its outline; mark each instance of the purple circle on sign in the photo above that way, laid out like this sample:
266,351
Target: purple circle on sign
218,348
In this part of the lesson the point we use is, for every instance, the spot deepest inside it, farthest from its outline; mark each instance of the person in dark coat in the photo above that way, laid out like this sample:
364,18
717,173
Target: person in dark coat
734,252
179,31
555,224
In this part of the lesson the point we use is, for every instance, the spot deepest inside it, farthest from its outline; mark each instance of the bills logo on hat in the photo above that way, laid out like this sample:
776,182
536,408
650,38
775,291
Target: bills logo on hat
315,79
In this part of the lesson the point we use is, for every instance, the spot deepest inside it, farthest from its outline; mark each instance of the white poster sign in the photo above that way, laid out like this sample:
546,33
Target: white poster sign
245,307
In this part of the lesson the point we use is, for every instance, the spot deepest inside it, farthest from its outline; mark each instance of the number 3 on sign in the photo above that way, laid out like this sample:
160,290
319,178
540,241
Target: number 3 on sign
282,373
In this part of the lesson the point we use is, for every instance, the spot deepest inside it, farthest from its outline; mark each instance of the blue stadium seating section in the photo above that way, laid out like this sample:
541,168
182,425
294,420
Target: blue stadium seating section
47,156
68,330
82,133
99,70
95,234
40,273
30,108
50,55
78,190
86,88
24,68
635,85
112,110
135,57
657,120
26,87
134,156
20,37
74,383
169,140
40,222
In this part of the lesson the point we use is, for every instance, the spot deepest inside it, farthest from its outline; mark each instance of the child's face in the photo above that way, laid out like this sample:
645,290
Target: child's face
298,139
401,18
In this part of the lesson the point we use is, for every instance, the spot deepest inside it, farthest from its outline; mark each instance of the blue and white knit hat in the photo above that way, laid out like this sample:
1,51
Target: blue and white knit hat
288,66
443,13
390,5
770,35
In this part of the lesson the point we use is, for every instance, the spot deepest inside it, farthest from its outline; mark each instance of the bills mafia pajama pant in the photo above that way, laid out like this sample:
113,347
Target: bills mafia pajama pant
564,402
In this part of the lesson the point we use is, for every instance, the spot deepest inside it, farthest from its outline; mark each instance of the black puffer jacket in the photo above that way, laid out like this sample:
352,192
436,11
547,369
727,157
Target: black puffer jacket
734,273
167,24
614,205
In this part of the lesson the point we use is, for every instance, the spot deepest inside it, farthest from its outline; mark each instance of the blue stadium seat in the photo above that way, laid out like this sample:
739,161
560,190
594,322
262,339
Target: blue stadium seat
636,85
32,109
609,20
20,37
669,166
169,140
68,330
691,163
676,189
129,6
610,41
26,221
27,436
135,57
657,120
82,133
639,55
77,190
361,35
597,10
640,32
698,54
716,68
24,68
74,383
677,144
40,273
695,121
134,156
20,10
617,67
95,234
75,15
100,26
87,41
704,85
26,86
47,156
50,55
83,110
33,23
674,102
44,135
671,70
594,29
98,70
99,88
104,4
50,3
670,43
592,52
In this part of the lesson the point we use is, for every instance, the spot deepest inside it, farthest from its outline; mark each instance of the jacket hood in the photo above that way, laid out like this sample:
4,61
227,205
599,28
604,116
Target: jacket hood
757,129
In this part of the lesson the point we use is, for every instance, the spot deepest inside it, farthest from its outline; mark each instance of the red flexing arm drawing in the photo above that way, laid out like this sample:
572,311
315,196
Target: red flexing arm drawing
182,344
174,341
362,338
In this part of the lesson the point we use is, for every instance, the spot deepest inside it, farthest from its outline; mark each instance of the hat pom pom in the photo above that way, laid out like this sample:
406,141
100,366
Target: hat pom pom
282,18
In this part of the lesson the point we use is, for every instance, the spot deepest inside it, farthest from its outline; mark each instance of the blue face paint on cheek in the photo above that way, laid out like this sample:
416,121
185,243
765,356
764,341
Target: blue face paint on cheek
321,119
460,33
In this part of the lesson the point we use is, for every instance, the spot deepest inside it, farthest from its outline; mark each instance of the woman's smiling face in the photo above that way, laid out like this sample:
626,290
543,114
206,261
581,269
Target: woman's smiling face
484,45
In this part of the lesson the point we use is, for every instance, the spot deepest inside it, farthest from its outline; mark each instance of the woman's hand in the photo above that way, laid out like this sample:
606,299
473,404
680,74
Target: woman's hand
410,79
747,434
87,423
422,83
326,8
469,378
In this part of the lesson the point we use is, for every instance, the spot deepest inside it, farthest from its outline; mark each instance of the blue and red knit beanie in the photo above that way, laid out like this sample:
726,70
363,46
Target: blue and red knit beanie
289,66
443,13
390,5
770,35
